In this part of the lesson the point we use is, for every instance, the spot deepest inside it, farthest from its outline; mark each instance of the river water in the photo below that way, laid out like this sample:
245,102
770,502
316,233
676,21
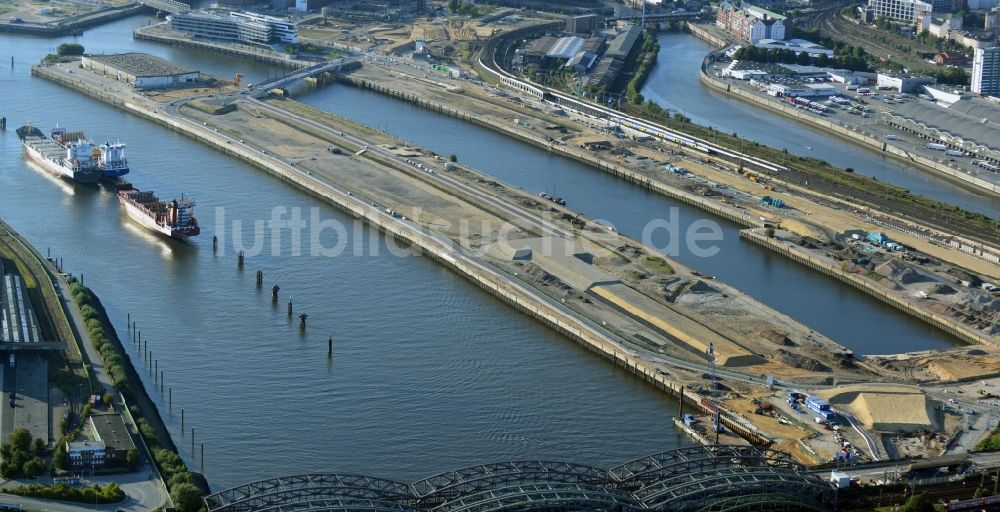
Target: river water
428,372
824,304
674,83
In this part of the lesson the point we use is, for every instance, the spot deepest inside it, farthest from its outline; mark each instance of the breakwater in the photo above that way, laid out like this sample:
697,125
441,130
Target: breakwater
868,287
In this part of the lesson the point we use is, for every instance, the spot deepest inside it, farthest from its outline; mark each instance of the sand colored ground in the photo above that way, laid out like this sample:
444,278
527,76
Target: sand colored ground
678,326
813,218
885,408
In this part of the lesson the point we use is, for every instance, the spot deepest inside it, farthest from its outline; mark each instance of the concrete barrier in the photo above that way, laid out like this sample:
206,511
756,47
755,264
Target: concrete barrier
908,306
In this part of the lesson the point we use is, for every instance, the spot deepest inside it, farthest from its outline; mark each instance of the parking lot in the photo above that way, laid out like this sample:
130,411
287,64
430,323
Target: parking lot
28,381
861,110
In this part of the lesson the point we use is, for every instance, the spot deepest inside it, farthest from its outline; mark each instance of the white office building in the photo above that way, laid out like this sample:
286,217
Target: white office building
986,71
211,26
283,30
903,10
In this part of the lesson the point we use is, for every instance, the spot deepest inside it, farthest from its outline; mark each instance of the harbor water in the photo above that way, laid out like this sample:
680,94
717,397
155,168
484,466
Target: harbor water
674,83
428,372
824,304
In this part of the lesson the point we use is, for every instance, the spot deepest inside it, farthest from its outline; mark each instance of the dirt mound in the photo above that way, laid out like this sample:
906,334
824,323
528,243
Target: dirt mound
900,273
981,303
798,361
775,337
701,287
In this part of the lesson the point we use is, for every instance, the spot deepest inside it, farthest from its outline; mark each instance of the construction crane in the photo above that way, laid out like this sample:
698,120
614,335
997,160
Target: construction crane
716,425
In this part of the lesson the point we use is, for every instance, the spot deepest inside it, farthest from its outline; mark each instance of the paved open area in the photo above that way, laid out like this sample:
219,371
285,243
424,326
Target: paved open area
28,381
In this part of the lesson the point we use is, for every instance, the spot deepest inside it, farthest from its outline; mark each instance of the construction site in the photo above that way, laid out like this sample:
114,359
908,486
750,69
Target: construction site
729,356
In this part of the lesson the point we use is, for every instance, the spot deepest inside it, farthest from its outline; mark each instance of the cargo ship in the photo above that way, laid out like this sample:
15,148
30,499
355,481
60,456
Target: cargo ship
110,157
76,160
171,218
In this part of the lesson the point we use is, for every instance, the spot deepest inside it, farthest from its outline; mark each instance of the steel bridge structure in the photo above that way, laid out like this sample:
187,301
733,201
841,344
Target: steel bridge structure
699,478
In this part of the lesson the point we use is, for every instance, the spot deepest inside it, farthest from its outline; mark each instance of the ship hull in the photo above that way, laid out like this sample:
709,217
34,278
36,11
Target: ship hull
115,175
60,170
144,220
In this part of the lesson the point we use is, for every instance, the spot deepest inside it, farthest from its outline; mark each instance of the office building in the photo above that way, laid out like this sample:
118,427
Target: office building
752,23
223,28
910,11
986,71
282,30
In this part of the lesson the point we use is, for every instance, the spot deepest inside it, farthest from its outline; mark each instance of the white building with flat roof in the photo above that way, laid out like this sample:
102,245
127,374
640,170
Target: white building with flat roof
223,28
85,454
283,30
903,82
800,90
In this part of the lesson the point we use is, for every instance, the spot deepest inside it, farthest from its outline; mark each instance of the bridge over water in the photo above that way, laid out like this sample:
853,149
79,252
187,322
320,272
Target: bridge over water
171,6
719,477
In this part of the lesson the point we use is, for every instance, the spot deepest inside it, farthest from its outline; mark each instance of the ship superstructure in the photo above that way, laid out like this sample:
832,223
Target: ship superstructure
71,158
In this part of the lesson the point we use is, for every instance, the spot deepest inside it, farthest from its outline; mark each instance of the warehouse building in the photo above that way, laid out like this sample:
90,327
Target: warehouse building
969,125
752,23
903,82
140,70
796,45
110,429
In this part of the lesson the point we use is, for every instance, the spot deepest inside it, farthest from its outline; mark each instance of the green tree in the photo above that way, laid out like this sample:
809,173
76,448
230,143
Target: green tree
69,49
802,59
769,232
981,492
918,503
59,459
40,446
33,467
132,459
822,60
20,440
453,158
187,497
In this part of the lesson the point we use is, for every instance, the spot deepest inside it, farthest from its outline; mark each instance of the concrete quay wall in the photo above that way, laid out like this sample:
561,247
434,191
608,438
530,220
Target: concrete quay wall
730,213
906,305
516,294
698,31
266,58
